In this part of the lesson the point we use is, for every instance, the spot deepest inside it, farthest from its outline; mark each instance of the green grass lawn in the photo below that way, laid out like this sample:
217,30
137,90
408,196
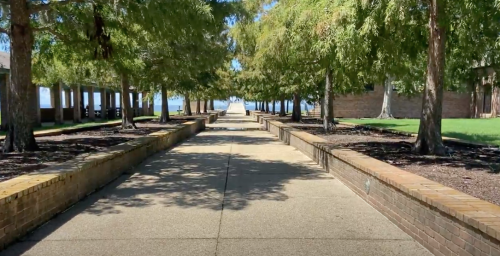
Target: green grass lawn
479,130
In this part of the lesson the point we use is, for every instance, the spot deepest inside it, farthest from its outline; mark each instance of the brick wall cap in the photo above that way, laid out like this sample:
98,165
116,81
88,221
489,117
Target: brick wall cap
475,212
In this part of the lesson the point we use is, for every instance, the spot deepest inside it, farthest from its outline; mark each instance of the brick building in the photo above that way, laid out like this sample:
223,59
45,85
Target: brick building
481,101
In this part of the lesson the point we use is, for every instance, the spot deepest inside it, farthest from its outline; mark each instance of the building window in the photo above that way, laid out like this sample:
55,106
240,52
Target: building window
369,87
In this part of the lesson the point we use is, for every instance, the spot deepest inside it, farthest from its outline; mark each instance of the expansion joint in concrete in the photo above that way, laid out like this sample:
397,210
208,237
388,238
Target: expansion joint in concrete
224,195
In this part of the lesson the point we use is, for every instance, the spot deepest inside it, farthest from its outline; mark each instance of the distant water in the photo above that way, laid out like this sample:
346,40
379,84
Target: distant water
217,104
251,106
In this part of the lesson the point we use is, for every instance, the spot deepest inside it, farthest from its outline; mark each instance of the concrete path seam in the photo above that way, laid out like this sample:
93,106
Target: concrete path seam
224,195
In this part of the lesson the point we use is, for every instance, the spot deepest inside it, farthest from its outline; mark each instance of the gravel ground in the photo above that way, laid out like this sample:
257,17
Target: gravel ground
62,148
474,171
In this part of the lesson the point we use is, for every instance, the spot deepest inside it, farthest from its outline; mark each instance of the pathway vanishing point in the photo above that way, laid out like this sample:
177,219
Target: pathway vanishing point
226,191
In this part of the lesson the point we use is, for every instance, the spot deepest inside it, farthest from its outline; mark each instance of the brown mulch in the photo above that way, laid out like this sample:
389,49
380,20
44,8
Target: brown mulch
470,169
62,148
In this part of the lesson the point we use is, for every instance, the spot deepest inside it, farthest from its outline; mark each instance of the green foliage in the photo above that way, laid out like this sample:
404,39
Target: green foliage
289,45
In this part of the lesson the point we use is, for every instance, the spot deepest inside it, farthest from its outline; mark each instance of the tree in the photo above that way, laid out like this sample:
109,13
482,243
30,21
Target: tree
386,105
67,21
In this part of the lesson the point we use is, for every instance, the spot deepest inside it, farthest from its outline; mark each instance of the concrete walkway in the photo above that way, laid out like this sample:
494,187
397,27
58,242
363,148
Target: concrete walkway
223,192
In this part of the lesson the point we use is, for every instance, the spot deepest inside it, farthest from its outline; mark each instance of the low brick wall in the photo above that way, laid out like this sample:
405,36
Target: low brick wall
30,200
68,130
444,220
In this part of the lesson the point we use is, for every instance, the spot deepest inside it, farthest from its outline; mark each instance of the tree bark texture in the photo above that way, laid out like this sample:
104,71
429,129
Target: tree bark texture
90,92
328,121
187,107
282,106
267,106
77,115
211,106
4,102
35,102
104,107
205,106
198,106
127,112
273,109
296,113
135,103
20,136
429,140
386,112
287,106
473,107
57,103
145,101
262,106
165,115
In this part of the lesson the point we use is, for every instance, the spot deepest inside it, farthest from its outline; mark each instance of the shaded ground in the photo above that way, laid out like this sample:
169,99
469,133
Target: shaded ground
472,170
484,130
62,148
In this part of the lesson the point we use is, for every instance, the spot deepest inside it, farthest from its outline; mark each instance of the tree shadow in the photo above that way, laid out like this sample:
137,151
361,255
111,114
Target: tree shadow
386,125
234,121
212,138
187,180
474,137
400,154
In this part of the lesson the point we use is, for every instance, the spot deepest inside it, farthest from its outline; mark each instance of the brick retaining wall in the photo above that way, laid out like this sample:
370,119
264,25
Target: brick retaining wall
30,200
444,220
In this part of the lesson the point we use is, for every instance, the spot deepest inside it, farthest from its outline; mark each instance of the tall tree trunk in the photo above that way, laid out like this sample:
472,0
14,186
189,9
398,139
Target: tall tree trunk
296,113
322,106
57,104
198,106
151,109
187,107
386,105
267,106
328,121
211,106
273,110
429,140
205,106
135,103
127,112
473,105
256,106
165,115
287,106
262,106
35,105
77,113
282,106
20,136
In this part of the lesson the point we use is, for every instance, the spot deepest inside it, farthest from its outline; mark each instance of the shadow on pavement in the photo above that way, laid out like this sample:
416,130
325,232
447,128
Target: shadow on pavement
187,180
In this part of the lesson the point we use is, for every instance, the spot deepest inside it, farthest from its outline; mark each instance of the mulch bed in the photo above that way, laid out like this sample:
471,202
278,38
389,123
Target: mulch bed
470,169
62,148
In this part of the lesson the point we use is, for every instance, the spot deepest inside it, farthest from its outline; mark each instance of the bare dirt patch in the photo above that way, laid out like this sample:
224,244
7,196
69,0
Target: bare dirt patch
62,148
470,169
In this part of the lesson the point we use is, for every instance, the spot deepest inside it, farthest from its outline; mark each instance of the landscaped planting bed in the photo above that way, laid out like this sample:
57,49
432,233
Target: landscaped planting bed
61,148
470,169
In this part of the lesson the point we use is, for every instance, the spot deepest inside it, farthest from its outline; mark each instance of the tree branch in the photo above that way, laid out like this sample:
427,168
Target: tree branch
4,31
44,28
47,6
55,33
